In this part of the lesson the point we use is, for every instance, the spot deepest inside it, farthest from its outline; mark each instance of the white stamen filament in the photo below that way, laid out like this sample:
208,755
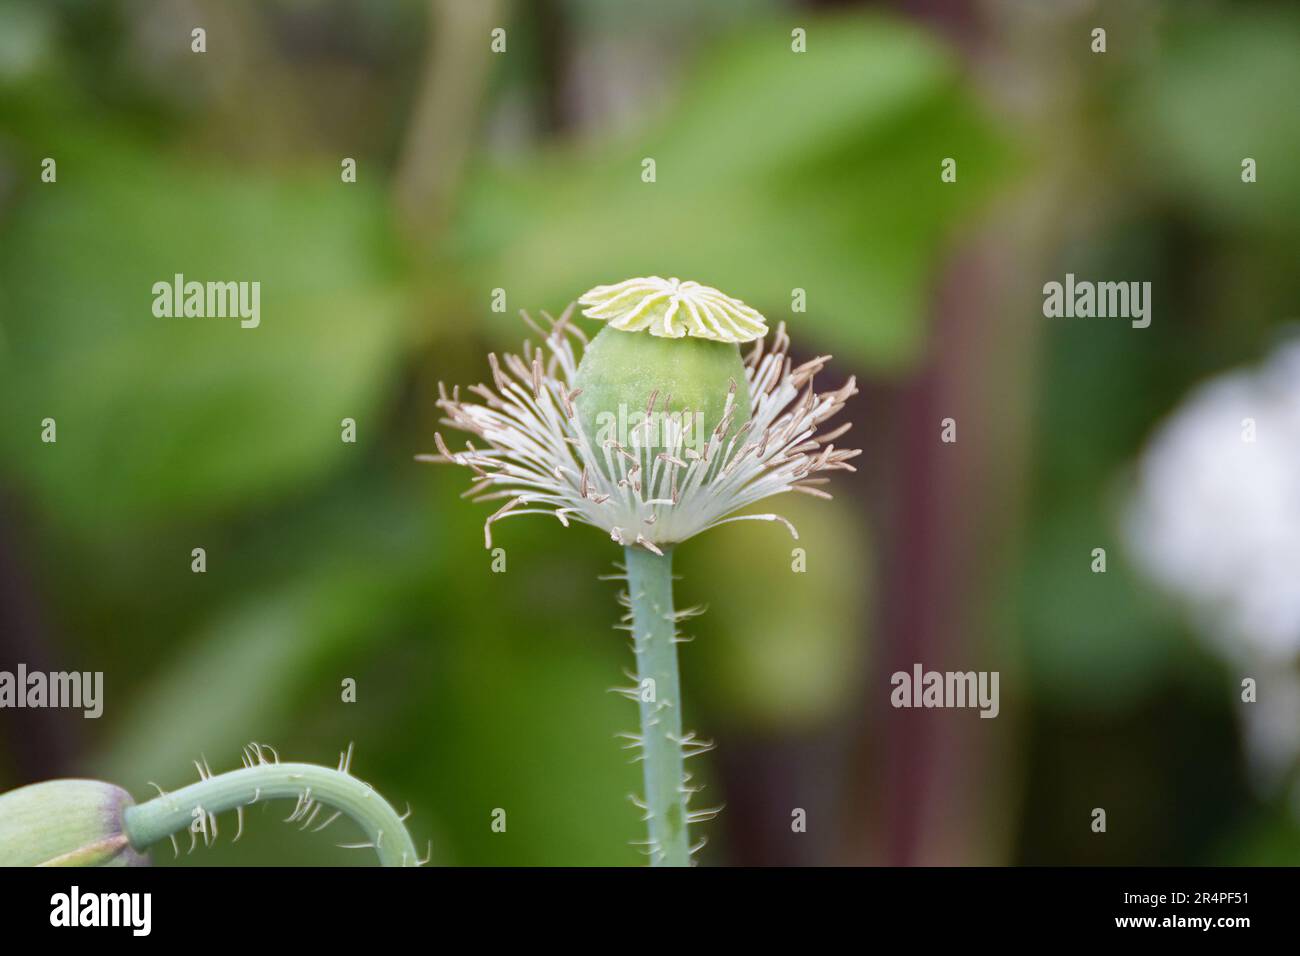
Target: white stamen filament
539,459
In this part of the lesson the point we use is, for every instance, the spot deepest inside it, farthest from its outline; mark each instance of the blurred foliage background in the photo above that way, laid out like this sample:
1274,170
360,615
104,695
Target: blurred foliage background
522,171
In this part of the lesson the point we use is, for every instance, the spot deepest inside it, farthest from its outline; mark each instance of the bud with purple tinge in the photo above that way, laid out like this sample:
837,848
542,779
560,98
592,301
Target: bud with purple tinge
66,823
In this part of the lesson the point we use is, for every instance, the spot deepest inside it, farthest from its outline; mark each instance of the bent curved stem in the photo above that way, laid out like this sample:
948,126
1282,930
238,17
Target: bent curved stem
650,588
167,814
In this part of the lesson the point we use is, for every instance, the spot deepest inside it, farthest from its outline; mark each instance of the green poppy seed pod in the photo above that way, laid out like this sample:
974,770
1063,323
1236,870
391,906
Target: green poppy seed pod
591,430
670,347
620,372
66,823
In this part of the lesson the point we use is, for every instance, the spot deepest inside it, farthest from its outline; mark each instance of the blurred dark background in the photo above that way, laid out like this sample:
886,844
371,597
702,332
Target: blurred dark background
522,171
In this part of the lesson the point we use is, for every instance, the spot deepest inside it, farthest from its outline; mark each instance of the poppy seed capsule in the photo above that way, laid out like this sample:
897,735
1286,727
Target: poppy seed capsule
563,428
669,359
689,380
66,823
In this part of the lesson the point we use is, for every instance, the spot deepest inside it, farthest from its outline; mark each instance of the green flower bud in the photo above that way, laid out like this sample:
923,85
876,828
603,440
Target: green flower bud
66,823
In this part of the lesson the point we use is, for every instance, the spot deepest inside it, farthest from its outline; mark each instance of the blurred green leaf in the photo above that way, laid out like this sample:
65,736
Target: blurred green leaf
1094,641
179,418
777,170
1210,100
1270,836
778,649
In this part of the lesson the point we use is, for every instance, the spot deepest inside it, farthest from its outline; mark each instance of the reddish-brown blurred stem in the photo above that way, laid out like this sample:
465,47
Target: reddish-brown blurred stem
40,740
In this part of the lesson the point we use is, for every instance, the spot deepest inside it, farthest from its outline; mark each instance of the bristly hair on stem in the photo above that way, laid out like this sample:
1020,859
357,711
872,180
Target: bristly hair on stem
195,808
662,748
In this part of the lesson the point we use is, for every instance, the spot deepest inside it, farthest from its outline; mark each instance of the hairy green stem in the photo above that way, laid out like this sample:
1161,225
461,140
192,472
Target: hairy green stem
167,814
650,588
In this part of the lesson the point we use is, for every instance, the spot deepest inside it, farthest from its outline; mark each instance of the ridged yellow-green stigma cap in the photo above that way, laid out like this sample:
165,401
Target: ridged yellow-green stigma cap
672,309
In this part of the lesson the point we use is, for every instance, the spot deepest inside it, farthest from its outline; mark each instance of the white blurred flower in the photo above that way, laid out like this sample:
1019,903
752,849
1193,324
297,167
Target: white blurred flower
1215,521
1216,518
